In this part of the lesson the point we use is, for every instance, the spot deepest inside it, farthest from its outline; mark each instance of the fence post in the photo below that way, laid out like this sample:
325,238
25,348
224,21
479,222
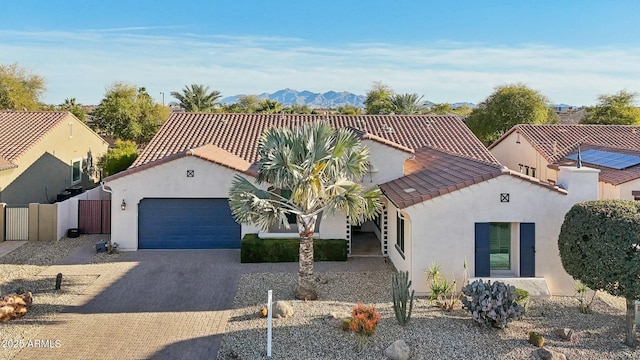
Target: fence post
2,224
34,228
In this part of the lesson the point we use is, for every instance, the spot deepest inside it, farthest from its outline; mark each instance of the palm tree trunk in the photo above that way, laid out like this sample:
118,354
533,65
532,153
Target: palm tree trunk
306,289
631,323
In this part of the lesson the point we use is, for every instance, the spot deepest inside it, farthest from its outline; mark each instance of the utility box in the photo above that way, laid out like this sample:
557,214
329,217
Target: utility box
101,246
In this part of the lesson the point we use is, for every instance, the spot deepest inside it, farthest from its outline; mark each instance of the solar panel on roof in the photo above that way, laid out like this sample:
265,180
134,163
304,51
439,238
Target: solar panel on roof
607,159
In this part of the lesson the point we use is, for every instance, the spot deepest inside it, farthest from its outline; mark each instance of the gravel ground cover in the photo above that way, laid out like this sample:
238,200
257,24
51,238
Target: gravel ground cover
20,269
431,333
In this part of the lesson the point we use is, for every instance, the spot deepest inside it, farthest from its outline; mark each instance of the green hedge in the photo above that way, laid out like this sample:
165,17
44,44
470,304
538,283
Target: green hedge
256,250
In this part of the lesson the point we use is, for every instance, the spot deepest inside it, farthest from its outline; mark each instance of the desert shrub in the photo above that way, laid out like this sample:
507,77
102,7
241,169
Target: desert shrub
364,320
522,298
491,304
582,295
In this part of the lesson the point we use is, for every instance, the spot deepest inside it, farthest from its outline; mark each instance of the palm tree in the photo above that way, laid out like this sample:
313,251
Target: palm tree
407,104
197,98
313,170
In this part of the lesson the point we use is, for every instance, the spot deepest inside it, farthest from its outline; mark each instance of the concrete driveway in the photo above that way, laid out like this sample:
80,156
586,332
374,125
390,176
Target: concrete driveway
149,304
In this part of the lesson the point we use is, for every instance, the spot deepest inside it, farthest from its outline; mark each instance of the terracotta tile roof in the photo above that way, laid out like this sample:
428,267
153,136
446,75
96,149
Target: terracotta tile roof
208,152
6,164
432,173
607,175
20,130
556,141
238,133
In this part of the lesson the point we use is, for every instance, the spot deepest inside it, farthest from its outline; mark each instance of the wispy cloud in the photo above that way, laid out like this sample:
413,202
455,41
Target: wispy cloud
82,63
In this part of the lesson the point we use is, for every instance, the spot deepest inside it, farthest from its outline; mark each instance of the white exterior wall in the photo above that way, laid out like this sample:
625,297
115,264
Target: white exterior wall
626,189
387,163
401,263
515,149
167,180
443,229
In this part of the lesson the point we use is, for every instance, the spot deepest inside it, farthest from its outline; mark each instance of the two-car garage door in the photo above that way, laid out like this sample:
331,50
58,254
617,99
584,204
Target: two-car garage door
186,224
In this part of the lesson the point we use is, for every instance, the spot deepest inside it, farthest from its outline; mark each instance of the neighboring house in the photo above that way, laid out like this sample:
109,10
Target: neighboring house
538,150
43,154
446,198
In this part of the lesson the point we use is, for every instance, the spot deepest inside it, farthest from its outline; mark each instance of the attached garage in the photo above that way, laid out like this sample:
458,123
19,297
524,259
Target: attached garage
193,223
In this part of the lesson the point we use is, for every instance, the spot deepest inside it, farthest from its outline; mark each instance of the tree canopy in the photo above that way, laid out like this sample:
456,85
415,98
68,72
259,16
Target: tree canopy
599,245
378,100
407,104
616,109
197,98
71,105
119,158
507,106
20,89
313,171
129,113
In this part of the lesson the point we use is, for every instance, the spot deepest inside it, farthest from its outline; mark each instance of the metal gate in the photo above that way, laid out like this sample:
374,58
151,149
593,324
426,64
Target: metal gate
16,220
94,216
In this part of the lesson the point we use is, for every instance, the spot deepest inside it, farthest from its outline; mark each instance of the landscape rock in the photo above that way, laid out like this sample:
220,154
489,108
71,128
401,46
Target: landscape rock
282,309
546,354
566,334
399,350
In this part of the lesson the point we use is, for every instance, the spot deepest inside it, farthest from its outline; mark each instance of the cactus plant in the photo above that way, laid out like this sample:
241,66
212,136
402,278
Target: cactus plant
401,285
491,304
536,339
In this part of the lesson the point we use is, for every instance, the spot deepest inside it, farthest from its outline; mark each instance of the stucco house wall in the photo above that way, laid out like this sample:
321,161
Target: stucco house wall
46,168
627,188
514,150
169,180
442,229
387,163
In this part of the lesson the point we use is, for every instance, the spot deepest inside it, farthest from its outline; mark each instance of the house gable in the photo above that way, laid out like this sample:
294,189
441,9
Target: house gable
25,139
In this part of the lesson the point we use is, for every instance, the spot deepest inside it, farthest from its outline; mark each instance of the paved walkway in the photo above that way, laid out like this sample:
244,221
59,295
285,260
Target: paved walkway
156,304
10,245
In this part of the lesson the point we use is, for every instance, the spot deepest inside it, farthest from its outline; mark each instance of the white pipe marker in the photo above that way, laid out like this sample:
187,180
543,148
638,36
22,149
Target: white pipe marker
269,296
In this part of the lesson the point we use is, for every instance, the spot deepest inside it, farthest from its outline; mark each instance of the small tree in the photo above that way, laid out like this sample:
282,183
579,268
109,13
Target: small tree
616,109
508,106
314,171
378,99
599,245
119,158
19,88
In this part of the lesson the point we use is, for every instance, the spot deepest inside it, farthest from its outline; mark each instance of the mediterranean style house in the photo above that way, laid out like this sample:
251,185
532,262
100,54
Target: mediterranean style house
539,150
446,198
46,154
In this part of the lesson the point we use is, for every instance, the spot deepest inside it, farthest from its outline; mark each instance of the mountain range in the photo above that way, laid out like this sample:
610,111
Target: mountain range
329,99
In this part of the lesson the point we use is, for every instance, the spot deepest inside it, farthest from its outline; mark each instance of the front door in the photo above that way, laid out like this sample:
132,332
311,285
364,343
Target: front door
527,250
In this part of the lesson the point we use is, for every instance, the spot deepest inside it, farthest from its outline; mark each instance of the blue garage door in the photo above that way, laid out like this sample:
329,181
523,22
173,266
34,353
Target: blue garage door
187,224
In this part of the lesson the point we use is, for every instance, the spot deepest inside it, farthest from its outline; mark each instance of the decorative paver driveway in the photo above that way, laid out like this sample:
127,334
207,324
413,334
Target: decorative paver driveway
157,304
150,304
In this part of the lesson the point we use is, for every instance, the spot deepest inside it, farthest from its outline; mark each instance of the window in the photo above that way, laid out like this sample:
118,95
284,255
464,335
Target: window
378,221
500,246
521,168
292,219
533,172
76,174
400,235
526,170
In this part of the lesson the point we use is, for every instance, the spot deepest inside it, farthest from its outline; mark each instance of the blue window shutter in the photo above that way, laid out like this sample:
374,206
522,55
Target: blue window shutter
527,250
482,267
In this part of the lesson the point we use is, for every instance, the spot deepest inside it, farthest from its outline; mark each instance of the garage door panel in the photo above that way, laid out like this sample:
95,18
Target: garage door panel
187,224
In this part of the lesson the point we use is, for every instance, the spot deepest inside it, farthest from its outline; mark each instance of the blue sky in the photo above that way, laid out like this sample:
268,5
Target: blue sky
448,51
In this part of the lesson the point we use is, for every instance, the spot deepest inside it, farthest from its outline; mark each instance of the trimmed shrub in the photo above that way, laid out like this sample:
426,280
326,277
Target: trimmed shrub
256,250
491,304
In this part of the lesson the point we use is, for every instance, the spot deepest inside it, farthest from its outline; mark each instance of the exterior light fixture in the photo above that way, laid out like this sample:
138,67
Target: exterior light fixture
123,206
